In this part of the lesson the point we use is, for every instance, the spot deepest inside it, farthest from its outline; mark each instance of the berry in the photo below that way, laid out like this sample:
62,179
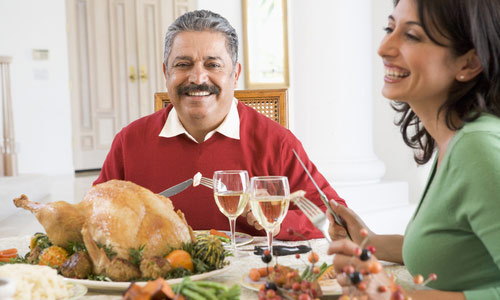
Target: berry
357,251
418,279
297,255
271,293
382,289
356,277
296,286
362,286
433,276
375,267
397,295
304,296
266,258
267,252
305,285
365,255
371,249
271,286
313,257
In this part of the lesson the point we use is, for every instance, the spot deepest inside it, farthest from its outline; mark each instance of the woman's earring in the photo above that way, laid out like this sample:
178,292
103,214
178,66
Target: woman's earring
462,77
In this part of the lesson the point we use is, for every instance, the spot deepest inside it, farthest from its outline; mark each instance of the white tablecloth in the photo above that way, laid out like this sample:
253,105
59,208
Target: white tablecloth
239,266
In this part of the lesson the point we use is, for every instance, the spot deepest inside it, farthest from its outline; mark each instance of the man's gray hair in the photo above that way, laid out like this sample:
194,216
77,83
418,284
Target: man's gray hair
203,20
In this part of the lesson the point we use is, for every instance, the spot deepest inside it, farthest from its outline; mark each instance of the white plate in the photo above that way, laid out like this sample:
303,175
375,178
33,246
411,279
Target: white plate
122,286
77,290
329,287
241,238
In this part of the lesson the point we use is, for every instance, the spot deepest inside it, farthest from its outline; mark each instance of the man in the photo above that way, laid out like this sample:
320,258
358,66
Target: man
207,129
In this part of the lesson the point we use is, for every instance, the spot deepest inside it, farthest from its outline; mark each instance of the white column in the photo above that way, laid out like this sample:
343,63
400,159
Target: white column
332,92
11,184
8,150
331,58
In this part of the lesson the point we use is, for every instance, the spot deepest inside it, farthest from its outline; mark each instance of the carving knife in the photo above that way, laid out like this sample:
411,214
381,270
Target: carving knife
322,195
177,188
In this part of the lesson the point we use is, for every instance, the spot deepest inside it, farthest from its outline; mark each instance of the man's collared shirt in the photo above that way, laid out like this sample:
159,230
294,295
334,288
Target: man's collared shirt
230,127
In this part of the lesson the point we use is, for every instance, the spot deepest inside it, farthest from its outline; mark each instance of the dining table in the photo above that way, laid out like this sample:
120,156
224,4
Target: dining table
16,231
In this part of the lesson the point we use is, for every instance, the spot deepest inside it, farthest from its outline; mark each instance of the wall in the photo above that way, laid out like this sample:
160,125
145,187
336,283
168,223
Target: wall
42,107
387,140
40,89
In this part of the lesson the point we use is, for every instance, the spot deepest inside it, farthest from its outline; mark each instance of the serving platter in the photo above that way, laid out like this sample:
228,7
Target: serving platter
77,290
122,286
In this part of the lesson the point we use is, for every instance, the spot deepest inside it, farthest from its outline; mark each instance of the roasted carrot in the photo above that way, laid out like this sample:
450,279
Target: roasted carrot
8,251
9,256
5,259
216,232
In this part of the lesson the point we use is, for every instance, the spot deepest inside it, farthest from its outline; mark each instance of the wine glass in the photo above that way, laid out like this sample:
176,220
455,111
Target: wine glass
269,202
231,195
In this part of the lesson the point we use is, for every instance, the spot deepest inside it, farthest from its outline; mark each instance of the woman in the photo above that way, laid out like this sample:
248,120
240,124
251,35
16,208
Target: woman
442,67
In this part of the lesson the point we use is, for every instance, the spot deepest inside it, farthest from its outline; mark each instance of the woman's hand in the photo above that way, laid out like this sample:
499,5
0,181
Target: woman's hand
353,223
375,284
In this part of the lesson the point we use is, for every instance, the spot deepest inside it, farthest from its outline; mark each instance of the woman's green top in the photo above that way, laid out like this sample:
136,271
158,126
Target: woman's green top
455,231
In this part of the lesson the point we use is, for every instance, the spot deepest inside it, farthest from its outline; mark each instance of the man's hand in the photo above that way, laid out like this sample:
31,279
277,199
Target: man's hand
248,214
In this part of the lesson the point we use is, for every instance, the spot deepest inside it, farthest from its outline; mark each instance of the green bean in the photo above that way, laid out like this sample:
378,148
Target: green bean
212,284
305,273
195,288
192,295
232,293
178,287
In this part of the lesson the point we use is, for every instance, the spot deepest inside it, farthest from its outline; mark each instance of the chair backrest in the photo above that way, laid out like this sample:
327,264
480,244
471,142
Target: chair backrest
272,103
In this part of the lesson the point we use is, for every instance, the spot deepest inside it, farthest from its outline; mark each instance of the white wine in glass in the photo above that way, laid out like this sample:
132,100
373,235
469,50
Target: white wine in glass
231,204
269,202
231,195
270,211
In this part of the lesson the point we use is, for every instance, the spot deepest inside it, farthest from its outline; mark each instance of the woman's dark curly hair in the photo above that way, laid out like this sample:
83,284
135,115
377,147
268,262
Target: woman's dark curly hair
466,24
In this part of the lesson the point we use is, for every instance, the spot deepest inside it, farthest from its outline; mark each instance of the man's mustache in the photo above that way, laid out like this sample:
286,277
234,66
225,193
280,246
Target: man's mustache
212,89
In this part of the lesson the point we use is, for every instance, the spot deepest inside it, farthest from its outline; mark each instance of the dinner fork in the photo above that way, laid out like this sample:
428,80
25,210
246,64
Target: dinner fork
314,214
208,182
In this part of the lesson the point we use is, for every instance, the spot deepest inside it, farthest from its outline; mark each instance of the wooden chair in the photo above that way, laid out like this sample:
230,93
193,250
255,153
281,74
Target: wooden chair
271,103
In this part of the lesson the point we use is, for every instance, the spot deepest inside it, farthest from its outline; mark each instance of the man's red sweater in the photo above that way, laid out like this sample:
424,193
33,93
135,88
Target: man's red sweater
140,155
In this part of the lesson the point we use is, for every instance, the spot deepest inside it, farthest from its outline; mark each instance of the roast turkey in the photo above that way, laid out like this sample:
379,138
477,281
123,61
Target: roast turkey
118,214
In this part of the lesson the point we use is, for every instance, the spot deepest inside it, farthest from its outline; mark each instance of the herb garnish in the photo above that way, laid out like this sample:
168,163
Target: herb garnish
136,255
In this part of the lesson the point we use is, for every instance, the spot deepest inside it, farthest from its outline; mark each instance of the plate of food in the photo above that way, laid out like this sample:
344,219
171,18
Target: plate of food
120,232
292,279
225,236
200,260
